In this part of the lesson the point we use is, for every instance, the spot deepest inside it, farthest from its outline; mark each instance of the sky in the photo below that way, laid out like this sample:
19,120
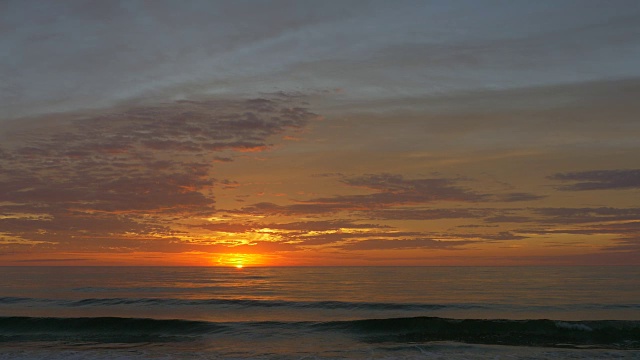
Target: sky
284,133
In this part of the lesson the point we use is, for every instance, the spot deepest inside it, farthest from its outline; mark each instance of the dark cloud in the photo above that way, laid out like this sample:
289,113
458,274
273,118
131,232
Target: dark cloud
478,237
429,214
299,227
390,190
396,189
624,236
399,244
621,229
518,196
392,195
508,219
137,171
270,209
626,244
53,260
321,175
502,236
599,180
586,215
475,226
323,225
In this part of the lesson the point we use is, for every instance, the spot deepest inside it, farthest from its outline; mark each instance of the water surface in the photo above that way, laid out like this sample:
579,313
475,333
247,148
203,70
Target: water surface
319,312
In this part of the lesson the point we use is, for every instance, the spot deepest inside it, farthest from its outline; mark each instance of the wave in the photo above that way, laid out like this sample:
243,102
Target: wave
615,334
238,303
102,329
533,333
329,305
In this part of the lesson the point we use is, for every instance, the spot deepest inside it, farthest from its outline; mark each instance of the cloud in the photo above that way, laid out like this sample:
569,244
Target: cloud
323,225
413,190
586,215
343,234
100,54
624,237
408,89
400,244
134,171
389,190
629,244
271,209
338,236
535,123
501,236
298,227
599,180
429,214
518,196
391,194
133,160
508,219
622,229
618,224
54,260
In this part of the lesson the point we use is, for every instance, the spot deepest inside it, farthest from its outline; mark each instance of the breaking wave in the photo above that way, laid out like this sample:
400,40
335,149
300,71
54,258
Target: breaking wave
533,333
288,304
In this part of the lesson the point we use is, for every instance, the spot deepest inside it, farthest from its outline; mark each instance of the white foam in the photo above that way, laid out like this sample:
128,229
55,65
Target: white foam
565,325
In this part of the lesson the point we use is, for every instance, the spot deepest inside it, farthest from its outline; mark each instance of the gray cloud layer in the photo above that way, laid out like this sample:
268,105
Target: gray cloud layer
600,179
99,53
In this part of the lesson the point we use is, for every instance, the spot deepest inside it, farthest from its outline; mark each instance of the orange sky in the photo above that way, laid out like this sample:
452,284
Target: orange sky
329,134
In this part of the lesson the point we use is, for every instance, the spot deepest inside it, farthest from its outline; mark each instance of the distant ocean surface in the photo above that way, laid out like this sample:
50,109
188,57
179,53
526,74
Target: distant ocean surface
320,313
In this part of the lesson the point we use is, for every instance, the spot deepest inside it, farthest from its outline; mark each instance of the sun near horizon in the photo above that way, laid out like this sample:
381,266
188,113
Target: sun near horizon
418,133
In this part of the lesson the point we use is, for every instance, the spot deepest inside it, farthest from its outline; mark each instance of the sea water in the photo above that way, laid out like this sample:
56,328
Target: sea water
319,313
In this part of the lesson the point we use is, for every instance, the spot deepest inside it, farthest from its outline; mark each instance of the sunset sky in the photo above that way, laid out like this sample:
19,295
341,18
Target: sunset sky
319,132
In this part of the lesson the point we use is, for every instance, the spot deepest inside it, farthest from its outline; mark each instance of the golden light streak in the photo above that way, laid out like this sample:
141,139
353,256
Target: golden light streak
239,261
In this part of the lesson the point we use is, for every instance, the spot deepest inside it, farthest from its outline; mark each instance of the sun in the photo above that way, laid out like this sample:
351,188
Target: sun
238,261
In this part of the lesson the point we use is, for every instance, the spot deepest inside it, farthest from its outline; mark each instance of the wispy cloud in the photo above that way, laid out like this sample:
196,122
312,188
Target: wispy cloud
378,244
587,215
599,180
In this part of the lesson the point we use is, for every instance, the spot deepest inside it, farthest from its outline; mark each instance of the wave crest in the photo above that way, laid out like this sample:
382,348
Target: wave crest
535,333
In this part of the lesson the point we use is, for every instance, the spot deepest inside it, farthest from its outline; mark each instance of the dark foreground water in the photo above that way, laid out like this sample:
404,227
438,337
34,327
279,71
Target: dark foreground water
320,313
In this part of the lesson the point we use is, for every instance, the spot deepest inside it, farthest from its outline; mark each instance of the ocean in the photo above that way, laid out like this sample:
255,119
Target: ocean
320,313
